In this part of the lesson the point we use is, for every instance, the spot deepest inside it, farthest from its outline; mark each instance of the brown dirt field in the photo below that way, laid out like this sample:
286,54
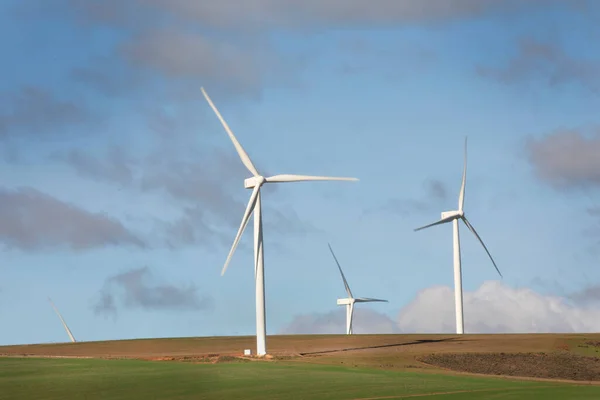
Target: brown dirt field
555,365
279,345
374,351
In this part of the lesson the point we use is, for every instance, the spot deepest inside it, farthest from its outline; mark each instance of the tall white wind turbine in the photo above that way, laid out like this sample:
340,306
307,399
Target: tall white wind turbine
254,205
62,321
350,300
454,216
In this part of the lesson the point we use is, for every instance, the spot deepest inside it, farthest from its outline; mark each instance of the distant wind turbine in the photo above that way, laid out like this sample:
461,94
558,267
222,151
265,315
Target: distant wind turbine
454,216
254,205
63,321
350,300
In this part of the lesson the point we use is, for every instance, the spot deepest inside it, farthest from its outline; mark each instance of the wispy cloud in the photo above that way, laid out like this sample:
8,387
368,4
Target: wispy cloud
434,194
114,166
134,289
32,110
567,159
536,60
262,14
185,55
32,221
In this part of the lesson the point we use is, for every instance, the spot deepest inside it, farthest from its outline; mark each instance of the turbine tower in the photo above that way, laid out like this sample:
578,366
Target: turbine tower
454,216
350,300
63,321
254,205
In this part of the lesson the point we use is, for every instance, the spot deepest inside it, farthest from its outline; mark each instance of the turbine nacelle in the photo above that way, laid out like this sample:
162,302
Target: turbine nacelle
345,302
254,181
452,214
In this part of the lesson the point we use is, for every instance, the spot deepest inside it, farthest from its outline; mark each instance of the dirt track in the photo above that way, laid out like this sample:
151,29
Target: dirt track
555,365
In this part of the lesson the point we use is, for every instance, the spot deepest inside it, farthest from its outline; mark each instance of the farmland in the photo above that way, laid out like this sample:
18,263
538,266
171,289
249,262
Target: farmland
308,367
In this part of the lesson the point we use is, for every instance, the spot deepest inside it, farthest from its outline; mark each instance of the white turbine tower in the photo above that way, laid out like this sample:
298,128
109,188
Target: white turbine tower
63,321
454,216
350,300
254,205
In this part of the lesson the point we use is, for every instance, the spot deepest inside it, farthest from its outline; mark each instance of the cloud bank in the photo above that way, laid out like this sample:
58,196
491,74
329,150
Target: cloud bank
493,308
497,308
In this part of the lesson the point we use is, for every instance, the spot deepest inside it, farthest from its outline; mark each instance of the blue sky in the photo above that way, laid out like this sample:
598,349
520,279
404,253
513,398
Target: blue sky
121,193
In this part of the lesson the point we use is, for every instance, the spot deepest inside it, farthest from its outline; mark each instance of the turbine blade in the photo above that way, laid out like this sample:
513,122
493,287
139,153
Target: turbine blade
369,300
341,272
298,178
245,219
461,196
242,153
64,324
472,229
441,221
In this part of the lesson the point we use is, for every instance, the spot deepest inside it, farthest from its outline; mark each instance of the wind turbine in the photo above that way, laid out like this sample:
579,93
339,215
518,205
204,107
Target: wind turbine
254,205
349,302
63,321
454,216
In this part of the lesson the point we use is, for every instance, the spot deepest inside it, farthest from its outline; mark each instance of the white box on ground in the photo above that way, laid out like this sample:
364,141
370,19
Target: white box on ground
247,352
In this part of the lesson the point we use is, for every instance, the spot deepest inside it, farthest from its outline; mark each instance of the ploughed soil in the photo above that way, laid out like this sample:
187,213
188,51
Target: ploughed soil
551,365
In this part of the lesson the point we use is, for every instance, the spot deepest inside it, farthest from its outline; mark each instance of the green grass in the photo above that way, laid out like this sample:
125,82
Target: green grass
36,378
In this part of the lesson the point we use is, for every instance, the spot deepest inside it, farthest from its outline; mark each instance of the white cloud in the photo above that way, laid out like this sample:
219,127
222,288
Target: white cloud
492,308
497,308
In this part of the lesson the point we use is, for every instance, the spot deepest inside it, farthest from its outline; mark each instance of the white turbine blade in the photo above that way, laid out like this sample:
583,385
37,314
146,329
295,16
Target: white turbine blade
299,178
461,196
341,272
64,324
369,300
245,220
472,229
441,221
242,153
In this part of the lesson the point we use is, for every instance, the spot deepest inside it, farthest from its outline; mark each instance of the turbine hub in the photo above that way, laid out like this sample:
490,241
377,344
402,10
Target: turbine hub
452,214
250,183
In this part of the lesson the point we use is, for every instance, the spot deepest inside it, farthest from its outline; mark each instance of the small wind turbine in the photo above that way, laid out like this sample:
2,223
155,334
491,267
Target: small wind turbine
349,302
454,216
63,321
255,183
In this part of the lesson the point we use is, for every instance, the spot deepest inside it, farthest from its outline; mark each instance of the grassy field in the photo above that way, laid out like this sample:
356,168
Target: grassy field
37,378
307,367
